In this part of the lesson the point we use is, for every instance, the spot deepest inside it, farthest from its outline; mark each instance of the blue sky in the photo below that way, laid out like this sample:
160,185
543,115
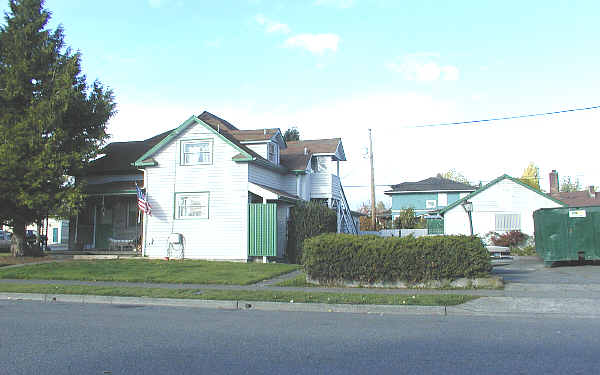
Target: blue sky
335,68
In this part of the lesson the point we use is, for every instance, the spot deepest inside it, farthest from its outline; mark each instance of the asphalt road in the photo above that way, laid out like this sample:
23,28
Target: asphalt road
54,338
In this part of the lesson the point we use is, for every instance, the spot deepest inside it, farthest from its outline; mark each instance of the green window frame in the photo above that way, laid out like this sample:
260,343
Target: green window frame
191,205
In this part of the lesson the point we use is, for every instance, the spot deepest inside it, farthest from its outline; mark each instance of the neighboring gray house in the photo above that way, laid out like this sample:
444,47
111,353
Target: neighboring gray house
218,192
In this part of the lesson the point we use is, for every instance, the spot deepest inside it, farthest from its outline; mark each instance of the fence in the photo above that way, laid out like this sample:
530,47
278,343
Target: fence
396,232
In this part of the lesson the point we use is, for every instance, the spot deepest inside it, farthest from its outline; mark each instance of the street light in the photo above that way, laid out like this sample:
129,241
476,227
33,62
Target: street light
468,207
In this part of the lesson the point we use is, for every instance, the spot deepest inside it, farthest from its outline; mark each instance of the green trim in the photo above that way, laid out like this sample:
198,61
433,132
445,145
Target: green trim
298,171
186,124
145,163
494,182
190,218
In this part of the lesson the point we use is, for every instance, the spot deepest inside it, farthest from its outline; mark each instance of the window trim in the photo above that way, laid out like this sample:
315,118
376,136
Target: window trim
190,193
184,142
430,204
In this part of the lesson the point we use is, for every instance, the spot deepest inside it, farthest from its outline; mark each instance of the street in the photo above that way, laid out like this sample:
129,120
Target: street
56,338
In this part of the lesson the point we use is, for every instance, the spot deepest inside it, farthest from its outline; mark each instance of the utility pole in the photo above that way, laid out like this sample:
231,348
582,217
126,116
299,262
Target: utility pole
373,212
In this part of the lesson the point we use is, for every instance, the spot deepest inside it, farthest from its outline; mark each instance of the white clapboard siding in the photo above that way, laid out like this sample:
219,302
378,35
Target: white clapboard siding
504,197
321,185
270,178
259,148
224,234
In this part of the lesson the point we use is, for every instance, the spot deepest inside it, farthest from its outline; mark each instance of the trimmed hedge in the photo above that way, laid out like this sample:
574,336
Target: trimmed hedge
334,257
308,220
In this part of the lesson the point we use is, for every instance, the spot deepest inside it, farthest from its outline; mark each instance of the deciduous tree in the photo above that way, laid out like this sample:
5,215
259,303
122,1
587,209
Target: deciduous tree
531,176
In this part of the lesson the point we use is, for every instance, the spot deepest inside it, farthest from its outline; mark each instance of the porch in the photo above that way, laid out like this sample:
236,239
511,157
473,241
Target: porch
109,222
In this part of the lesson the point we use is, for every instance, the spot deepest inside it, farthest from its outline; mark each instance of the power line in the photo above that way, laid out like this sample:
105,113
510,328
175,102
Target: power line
505,118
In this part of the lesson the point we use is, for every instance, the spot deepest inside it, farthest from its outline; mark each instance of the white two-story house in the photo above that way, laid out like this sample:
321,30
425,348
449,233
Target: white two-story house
218,192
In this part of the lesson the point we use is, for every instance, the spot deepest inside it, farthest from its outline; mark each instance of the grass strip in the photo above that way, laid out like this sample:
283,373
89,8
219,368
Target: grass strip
244,295
152,271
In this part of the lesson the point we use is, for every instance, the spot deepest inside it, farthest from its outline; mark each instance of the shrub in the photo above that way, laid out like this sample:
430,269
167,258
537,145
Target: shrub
508,239
332,257
408,220
308,220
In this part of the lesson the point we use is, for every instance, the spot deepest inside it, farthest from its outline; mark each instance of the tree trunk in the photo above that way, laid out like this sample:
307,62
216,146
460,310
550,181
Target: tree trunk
17,245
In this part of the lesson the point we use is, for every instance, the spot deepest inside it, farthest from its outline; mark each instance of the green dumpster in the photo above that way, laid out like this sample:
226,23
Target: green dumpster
567,233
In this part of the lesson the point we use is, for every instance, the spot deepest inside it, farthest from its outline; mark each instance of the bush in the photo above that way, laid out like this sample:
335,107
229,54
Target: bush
333,257
509,239
308,220
408,220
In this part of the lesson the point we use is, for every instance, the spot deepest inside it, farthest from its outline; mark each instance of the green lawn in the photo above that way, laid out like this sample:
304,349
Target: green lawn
154,271
244,295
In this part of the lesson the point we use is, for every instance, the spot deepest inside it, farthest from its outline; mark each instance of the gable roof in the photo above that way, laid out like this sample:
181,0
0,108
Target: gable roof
294,158
119,156
246,153
578,198
430,184
494,182
127,157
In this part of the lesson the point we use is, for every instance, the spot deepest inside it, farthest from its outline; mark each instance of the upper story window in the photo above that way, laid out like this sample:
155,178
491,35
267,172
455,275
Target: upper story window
273,152
320,164
430,203
195,152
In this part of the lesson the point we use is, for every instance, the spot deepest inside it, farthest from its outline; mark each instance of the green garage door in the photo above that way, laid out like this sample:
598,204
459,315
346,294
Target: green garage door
262,229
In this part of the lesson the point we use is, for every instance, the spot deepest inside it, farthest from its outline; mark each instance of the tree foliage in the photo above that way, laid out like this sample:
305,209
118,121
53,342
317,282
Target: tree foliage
292,134
408,220
570,184
453,175
52,123
531,176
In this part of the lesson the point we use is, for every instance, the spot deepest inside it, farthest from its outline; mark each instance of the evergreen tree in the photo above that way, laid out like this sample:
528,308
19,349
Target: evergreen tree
51,122
292,134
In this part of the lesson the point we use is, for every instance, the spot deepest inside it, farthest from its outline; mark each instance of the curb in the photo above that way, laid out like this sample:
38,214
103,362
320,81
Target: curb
485,306
226,305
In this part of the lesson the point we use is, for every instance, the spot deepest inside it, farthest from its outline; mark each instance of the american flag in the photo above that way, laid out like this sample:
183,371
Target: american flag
142,200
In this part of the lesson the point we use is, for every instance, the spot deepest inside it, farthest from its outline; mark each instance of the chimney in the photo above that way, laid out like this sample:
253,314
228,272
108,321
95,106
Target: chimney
553,182
592,191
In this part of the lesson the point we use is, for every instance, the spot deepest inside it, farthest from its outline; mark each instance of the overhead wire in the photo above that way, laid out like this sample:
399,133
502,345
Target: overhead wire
503,118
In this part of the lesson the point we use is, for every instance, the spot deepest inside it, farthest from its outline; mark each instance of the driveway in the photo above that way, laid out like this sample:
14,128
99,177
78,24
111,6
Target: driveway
531,270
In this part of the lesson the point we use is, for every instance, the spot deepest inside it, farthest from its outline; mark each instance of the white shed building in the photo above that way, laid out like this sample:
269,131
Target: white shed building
502,205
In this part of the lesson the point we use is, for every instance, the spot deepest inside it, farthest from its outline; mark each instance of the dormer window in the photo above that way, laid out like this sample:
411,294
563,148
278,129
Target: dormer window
273,152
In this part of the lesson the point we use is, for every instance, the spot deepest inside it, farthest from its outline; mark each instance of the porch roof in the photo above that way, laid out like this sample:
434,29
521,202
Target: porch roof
113,188
270,193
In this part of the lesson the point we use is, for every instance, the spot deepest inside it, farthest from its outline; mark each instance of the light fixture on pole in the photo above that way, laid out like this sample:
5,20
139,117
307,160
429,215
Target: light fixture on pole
468,207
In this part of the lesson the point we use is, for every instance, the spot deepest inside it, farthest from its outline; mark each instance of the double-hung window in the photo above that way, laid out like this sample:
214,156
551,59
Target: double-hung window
191,205
195,152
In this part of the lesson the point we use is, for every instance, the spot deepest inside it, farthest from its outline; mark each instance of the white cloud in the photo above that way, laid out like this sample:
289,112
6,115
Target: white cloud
272,26
424,67
314,43
335,3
